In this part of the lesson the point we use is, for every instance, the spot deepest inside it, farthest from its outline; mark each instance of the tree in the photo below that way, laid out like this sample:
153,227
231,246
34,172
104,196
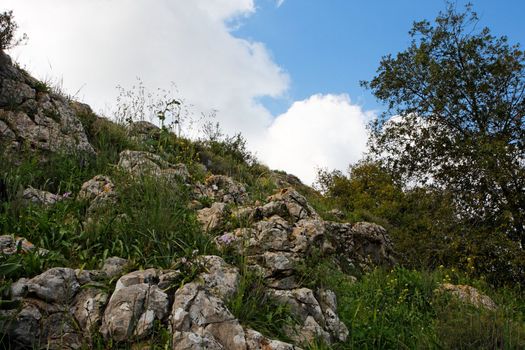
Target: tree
459,94
8,28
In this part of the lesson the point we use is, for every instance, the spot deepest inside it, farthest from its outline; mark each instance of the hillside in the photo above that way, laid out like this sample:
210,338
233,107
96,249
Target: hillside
123,235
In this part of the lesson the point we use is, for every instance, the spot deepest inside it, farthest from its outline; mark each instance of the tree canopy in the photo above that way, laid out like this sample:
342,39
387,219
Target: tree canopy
458,94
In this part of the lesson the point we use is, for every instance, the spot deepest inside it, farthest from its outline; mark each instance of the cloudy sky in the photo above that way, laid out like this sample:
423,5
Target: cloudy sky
285,73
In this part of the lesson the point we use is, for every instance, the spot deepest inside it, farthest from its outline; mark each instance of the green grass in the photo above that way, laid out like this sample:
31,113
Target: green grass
400,309
151,225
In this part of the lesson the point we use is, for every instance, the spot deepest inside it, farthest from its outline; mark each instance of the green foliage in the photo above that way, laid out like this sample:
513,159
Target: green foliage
400,309
458,92
108,138
423,224
256,309
8,28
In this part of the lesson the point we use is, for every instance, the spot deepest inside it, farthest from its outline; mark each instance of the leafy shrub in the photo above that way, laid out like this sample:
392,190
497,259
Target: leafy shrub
8,28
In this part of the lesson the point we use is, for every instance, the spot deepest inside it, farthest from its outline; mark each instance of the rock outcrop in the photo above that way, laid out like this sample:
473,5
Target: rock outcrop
140,163
34,118
276,237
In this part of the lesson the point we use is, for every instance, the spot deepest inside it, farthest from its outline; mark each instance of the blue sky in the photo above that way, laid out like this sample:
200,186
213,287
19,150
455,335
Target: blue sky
286,77
328,46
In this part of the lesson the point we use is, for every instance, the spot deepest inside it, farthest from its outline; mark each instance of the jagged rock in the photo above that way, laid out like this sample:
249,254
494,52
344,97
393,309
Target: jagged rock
362,244
34,119
99,192
114,266
60,332
219,277
297,206
34,196
132,311
316,319
56,285
98,186
201,320
149,276
10,245
89,307
214,217
221,188
257,341
328,302
22,327
140,163
469,295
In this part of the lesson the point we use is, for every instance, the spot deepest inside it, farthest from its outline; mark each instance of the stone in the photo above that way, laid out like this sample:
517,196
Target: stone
214,217
10,245
60,332
23,327
141,163
362,245
296,204
143,130
114,266
100,193
199,319
257,341
469,295
219,277
88,308
39,197
149,276
41,122
132,311
57,285
221,188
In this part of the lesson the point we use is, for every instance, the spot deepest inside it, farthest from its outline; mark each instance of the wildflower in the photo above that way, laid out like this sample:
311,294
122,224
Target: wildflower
226,239
66,195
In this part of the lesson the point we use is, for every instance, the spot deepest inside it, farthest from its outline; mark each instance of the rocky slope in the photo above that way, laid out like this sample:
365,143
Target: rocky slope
67,308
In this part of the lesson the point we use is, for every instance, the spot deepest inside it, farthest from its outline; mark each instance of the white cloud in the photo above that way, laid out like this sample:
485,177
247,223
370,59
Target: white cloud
279,2
97,44
325,131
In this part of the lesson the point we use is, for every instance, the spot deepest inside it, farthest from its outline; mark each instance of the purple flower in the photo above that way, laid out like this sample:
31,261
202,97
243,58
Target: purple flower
66,195
226,239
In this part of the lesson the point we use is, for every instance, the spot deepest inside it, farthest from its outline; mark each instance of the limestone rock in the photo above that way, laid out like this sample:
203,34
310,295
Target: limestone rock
469,295
143,130
36,120
114,266
10,245
297,206
23,327
257,341
361,245
214,217
132,310
221,188
140,163
39,197
99,192
200,320
56,285
220,278
89,307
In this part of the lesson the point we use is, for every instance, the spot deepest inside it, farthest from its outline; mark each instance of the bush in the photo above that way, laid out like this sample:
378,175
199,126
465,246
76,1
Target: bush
8,28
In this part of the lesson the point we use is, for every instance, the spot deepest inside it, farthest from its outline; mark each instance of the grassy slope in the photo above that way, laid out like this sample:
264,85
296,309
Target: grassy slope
395,309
